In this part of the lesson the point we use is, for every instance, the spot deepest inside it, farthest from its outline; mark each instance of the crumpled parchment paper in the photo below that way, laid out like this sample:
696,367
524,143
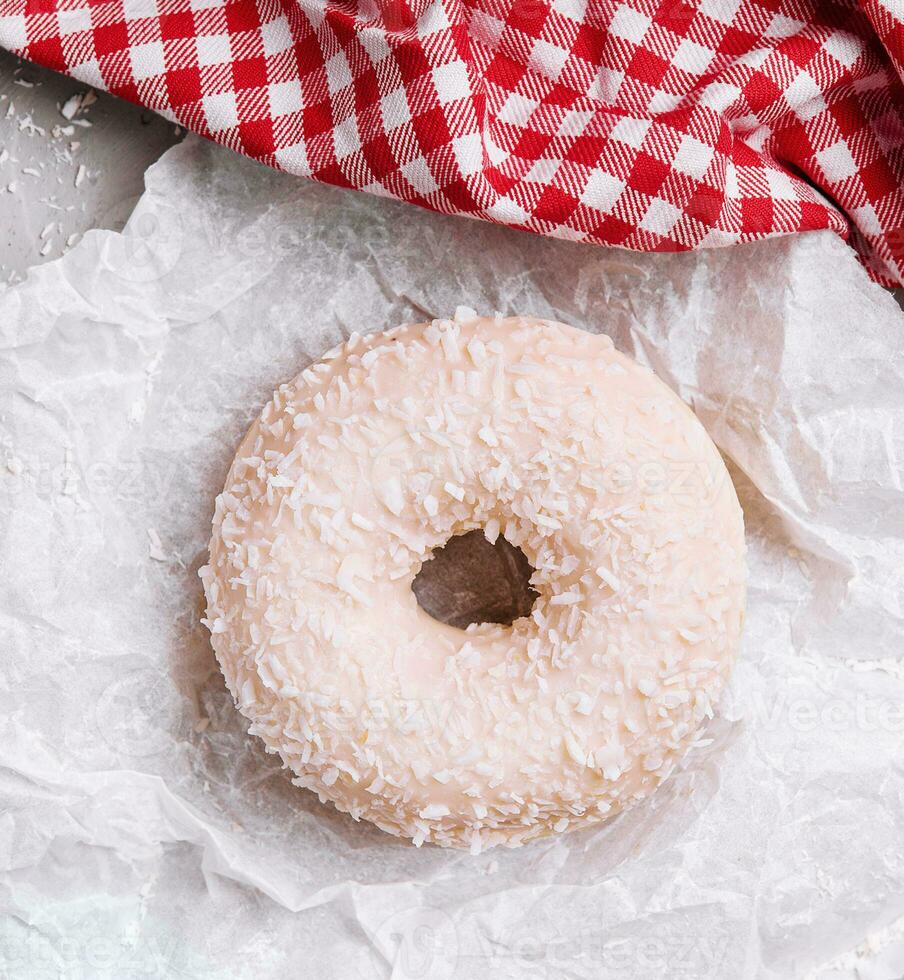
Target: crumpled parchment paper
143,833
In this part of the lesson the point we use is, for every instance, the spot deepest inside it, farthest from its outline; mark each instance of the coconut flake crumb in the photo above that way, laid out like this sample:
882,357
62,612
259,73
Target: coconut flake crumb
155,546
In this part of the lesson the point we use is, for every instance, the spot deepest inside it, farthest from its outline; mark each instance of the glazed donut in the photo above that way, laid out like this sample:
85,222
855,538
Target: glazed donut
380,453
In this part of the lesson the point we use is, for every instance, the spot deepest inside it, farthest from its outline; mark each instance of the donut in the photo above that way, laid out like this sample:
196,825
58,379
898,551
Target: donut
383,451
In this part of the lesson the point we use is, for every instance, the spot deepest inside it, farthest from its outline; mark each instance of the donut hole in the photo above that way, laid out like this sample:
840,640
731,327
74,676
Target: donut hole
468,580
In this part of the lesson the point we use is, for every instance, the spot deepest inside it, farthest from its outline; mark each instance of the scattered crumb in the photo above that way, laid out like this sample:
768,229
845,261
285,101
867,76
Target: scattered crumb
28,125
155,546
71,106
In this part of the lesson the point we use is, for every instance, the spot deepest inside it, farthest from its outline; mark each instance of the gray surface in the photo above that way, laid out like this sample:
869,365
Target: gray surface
115,150
469,580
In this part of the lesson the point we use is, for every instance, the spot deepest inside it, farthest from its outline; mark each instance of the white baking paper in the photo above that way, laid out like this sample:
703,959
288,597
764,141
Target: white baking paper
143,833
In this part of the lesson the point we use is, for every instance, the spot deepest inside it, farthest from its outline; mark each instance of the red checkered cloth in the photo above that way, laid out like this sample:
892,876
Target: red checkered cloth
658,125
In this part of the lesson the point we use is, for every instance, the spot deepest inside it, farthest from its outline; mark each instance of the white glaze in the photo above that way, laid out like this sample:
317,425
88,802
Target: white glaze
381,452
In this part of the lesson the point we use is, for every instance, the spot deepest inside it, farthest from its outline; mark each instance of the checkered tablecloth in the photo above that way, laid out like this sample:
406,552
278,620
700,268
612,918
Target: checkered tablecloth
658,125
